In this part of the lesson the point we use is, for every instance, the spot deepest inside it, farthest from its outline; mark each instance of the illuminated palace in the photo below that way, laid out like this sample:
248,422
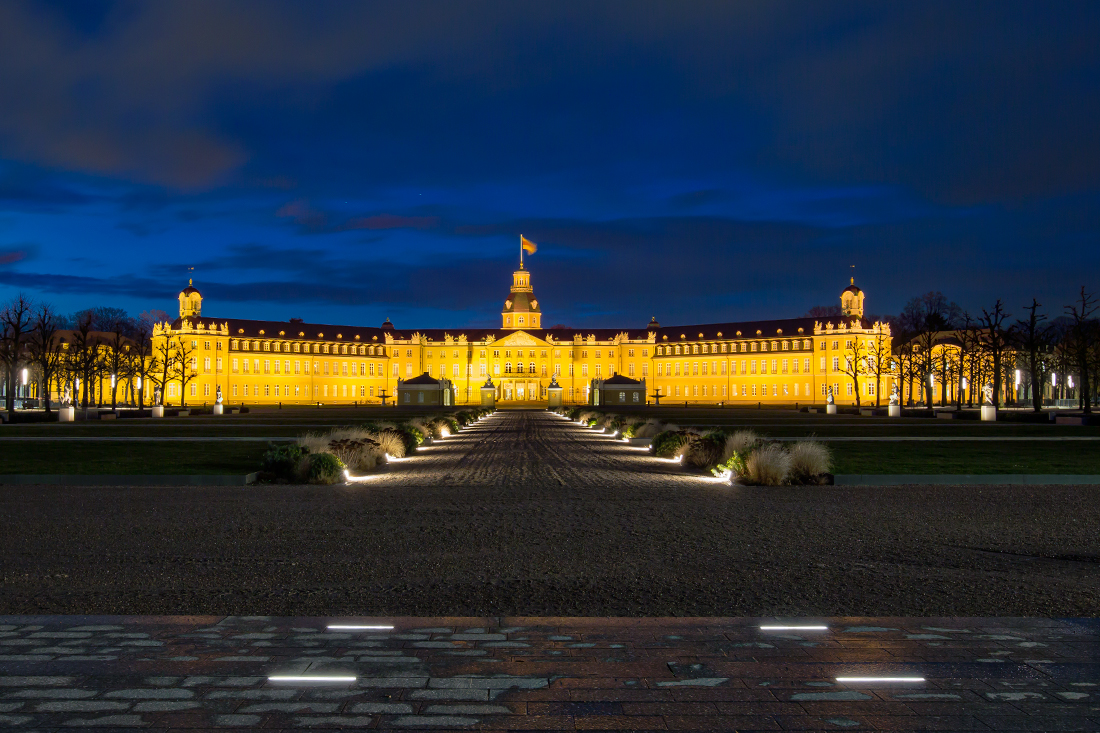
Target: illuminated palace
291,362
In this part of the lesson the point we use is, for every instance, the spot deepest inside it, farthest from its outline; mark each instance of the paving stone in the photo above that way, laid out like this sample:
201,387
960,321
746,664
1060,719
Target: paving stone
381,708
166,706
287,694
289,707
60,693
237,721
468,710
434,721
107,721
80,706
15,720
342,721
463,695
147,694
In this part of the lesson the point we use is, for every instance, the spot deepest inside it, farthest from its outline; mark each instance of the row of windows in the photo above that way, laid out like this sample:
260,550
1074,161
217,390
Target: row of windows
746,346
297,347
719,368
357,369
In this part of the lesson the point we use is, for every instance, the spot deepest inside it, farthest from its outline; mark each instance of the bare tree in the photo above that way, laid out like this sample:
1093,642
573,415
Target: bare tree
82,356
879,360
1035,339
184,367
996,342
1082,337
15,325
45,349
926,317
143,363
855,362
115,360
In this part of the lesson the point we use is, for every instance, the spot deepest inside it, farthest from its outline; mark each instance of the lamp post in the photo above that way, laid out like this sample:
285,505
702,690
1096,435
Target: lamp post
24,387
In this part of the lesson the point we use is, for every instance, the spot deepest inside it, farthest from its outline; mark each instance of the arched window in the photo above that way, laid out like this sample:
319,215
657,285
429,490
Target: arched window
508,367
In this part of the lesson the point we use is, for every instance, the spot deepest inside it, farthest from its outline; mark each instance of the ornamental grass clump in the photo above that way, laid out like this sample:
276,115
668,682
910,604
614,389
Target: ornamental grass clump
670,444
651,427
768,465
741,443
809,460
705,451
362,454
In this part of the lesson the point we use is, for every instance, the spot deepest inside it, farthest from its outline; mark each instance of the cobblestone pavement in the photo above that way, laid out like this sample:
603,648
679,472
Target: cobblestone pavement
532,451
160,673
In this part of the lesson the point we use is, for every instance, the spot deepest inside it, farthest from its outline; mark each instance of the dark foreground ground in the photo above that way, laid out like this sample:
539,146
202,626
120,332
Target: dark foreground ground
526,514
204,673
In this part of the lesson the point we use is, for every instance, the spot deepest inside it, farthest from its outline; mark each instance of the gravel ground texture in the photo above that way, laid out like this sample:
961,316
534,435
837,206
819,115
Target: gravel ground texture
528,514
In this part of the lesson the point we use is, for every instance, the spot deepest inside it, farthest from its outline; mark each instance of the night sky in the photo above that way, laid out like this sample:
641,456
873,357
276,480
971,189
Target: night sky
700,162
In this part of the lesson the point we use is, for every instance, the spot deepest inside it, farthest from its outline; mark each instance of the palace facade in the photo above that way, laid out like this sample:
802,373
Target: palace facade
794,360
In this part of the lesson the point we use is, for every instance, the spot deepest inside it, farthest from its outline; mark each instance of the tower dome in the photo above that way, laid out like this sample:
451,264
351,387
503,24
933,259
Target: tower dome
851,300
521,309
190,301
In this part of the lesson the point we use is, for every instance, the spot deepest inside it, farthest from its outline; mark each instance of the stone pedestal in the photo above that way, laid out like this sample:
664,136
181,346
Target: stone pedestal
989,413
894,410
554,396
830,409
219,409
488,397
66,414
158,410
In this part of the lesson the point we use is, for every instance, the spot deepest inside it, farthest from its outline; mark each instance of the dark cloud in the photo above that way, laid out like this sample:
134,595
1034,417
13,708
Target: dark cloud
728,157
17,254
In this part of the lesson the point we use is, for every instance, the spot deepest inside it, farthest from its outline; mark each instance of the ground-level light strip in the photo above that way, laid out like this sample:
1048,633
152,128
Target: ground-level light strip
357,627
311,678
794,628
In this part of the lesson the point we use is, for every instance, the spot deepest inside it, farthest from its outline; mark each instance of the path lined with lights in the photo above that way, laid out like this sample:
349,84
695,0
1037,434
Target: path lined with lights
161,673
525,450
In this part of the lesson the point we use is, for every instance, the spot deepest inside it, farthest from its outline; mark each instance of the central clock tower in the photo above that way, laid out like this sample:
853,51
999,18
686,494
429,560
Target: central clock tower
521,309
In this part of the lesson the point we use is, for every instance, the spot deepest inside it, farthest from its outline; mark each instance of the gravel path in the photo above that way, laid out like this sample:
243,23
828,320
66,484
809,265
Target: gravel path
528,514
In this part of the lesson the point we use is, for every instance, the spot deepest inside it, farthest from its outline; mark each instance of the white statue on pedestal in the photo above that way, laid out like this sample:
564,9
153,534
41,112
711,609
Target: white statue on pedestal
895,398
218,399
156,396
829,399
987,395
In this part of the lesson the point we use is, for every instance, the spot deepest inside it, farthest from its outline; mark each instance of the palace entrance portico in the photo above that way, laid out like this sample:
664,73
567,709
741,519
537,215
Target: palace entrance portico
521,390
520,368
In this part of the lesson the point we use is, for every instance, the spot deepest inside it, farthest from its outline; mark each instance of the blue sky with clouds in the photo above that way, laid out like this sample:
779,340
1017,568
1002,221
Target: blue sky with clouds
694,161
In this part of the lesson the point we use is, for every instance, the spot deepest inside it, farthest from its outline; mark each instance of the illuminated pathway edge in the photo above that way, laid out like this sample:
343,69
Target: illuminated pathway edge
157,673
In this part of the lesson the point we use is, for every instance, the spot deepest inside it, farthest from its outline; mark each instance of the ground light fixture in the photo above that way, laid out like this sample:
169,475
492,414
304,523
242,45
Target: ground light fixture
356,479
793,628
309,678
357,627
880,679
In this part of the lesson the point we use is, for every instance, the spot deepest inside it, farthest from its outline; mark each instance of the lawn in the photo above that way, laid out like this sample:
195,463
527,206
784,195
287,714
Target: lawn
966,457
130,457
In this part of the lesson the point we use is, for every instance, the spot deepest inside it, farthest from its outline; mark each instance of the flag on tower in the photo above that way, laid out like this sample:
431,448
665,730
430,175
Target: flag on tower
527,245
